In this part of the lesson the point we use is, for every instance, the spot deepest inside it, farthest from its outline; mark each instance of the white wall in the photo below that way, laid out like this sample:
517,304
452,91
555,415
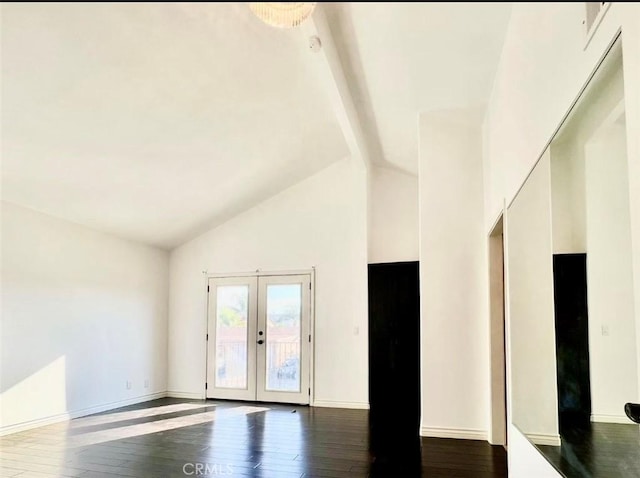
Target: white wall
543,66
612,355
453,277
531,319
568,198
525,461
632,115
82,313
591,214
604,94
393,219
321,222
562,213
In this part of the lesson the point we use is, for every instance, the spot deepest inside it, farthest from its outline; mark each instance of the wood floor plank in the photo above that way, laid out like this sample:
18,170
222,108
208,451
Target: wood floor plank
171,437
608,450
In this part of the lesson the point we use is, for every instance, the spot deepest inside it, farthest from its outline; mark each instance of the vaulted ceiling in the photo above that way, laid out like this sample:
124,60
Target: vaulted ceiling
155,122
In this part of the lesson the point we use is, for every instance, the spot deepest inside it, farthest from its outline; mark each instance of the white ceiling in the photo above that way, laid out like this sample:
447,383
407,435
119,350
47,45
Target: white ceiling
406,58
155,122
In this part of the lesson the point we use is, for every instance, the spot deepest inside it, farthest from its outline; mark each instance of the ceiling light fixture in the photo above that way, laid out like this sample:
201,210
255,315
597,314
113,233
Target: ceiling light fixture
282,14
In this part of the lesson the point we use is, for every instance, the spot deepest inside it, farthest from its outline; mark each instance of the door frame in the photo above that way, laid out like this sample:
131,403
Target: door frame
498,424
258,273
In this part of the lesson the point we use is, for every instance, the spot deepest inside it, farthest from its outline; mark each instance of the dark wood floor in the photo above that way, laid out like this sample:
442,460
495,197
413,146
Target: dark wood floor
602,450
178,438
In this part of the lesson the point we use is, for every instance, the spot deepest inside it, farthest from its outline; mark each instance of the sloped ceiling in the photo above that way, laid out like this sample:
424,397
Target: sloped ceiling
155,122
406,58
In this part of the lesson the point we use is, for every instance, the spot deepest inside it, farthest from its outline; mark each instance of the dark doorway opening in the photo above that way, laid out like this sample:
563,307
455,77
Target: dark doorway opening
394,367
572,341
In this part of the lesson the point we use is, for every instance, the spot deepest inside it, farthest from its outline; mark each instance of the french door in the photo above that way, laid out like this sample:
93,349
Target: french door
258,339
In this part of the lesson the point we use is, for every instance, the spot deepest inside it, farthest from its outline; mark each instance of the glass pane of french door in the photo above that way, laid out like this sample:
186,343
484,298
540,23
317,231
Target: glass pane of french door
231,347
283,328
284,313
232,310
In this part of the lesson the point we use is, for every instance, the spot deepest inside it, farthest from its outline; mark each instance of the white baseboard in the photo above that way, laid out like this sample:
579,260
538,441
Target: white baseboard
459,433
544,439
50,420
334,404
621,419
186,395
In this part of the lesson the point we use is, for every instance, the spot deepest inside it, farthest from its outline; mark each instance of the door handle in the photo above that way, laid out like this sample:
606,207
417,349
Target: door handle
260,341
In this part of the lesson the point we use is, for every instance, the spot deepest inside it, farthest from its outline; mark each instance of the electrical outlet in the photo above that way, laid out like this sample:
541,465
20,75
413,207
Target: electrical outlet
128,384
146,383
605,330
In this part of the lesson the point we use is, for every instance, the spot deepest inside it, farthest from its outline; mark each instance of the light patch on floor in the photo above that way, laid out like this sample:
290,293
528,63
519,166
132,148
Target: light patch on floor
133,414
111,434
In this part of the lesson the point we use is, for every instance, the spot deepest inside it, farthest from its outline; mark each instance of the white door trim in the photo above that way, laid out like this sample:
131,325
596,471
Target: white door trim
260,273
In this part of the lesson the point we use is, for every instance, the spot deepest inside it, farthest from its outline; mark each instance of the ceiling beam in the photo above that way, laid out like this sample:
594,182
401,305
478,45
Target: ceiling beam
329,68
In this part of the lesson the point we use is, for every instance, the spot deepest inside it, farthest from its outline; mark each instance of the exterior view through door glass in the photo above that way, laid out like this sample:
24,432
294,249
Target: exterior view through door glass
283,337
231,338
259,338
283,321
